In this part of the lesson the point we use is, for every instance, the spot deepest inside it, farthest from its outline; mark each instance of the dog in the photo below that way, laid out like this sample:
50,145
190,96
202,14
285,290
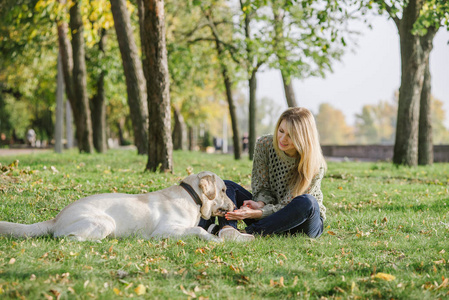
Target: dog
171,212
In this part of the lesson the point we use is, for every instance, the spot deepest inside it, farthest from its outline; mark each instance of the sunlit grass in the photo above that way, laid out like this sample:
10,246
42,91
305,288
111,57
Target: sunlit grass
385,236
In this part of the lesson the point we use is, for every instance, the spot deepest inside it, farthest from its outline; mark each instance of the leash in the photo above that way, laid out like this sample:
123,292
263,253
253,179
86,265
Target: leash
192,193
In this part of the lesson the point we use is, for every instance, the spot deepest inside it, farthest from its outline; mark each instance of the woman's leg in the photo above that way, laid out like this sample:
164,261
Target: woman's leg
301,215
237,194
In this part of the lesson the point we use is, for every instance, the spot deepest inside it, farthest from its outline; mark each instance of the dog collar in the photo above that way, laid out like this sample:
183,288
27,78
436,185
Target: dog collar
192,193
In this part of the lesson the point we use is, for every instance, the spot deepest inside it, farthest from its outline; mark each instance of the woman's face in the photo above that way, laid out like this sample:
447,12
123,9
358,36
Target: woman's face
284,142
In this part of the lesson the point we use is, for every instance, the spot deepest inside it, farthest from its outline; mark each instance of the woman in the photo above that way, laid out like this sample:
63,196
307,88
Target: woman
286,183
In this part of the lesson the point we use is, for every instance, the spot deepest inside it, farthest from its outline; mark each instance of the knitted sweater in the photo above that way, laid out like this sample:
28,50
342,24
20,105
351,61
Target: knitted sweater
270,177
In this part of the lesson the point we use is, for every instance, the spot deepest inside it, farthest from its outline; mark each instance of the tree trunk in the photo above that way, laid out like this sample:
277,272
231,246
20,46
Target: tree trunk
278,17
179,130
82,113
288,90
98,107
135,80
65,50
228,87
233,114
68,124
191,139
59,123
252,113
414,54
425,138
252,82
160,146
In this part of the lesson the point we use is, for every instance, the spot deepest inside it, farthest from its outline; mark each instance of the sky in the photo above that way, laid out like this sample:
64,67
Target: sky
367,75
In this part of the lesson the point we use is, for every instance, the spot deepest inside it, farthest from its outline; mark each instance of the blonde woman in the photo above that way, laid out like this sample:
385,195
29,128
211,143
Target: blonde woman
286,183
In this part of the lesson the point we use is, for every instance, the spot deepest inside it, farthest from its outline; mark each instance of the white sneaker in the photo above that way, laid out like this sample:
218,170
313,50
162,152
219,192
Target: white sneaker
232,234
213,229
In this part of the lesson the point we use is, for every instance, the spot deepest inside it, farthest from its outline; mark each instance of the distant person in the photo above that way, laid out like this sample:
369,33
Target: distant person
245,142
31,137
286,184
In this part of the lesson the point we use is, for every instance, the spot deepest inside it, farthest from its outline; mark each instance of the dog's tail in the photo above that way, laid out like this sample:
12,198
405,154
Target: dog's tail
21,230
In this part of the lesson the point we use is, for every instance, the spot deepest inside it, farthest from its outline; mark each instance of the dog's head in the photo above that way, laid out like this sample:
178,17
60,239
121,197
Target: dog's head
212,192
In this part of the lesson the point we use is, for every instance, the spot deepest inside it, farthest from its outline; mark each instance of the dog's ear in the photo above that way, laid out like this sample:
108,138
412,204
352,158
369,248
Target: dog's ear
207,185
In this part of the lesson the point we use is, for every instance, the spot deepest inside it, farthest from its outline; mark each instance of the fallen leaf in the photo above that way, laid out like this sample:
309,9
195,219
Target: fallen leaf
116,291
295,281
384,276
191,294
48,297
140,289
56,293
331,232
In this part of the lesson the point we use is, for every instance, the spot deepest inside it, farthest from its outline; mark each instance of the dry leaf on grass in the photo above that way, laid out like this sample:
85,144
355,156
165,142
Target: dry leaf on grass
384,276
140,290
191,294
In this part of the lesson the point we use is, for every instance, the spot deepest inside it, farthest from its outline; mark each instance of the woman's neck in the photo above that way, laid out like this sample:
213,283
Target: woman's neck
291,153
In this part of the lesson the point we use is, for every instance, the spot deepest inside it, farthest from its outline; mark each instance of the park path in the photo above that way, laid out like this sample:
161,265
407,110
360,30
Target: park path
12,152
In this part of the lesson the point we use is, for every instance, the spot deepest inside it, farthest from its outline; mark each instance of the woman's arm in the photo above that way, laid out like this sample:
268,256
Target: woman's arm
260,176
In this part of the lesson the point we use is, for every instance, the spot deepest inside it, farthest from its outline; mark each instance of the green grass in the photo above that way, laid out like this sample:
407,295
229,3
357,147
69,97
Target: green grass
380,219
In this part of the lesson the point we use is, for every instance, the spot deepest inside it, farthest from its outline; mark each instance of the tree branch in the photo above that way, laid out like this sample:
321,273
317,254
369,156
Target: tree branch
390,11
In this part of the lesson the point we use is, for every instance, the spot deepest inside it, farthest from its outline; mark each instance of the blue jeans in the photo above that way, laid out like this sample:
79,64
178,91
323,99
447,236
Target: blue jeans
301,215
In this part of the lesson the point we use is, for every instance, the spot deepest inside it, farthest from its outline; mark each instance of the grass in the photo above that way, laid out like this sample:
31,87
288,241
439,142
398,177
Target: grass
386,236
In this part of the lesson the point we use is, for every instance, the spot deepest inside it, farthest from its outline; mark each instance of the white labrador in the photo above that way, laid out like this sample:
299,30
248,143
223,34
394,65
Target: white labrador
169,212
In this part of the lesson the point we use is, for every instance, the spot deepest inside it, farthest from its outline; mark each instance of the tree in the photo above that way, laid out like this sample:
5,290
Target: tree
74,68
417,21
135,80
160,145
27,69
307,37
220,47
97,103
440,133
332,126
425,138
376,124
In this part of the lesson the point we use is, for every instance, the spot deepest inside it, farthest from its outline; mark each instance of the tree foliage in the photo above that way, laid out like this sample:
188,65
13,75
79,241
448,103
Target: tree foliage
332,126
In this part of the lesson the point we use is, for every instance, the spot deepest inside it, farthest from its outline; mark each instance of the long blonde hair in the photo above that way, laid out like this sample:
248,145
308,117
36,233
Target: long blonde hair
303,132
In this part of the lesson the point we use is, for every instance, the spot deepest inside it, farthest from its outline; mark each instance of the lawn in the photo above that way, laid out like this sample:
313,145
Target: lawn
386,236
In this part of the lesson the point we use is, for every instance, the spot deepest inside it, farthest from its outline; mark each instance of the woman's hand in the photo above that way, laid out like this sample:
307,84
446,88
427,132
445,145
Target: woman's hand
253,204
244,213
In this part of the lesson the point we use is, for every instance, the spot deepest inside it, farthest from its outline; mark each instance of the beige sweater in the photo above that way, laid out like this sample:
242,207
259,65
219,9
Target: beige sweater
271,174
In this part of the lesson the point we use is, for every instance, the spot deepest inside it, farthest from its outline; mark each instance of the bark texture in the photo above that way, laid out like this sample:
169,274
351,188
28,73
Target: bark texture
160,146
425,137
135,80
98,106
179,135
288,90
74,69
415,51
252,114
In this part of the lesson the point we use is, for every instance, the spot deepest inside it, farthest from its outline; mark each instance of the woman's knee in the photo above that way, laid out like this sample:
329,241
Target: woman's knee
306,202
229,183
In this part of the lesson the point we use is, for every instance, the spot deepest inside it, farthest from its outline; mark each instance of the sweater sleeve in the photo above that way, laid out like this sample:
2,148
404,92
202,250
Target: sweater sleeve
260,181
315,190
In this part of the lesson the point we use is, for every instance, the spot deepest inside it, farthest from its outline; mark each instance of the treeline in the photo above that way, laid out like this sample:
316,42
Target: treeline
375,124
155,73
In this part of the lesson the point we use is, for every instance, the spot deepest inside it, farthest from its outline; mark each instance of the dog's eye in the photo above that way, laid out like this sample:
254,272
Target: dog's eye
223,190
